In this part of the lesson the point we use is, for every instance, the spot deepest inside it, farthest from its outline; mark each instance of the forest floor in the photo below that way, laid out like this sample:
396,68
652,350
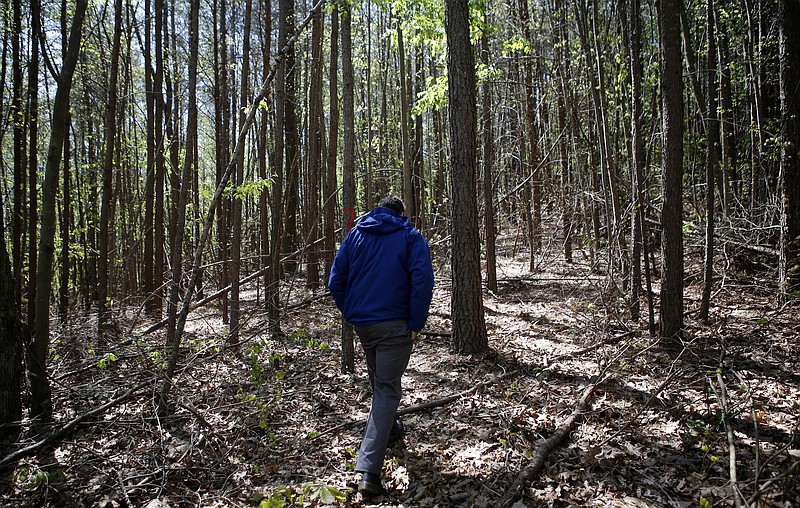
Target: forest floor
271,421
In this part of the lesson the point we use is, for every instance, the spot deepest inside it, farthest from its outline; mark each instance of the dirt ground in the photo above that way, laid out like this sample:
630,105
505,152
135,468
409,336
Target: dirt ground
271,421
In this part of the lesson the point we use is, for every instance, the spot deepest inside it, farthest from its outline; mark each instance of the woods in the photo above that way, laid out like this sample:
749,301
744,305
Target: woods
177,176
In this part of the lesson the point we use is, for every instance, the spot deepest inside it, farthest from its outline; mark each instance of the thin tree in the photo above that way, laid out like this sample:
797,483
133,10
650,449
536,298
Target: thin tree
487,112
222,128
236,240
291,135
315,135
637,154
18,114
156,301
533,192
333,142
189,163
41,404
103,311
33,157
263,172
348,161
712,158
469,326
671,312
148,265
789,274
405,148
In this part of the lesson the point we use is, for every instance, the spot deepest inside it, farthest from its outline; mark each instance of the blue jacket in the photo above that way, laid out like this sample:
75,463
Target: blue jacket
383,272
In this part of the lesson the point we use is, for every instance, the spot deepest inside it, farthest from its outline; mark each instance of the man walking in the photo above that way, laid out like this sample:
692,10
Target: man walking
382,281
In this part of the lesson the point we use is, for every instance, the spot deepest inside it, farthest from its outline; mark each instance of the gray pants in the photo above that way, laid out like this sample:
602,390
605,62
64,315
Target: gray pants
387,347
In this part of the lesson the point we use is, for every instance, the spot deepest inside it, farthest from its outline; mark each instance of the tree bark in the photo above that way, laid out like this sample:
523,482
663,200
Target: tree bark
671,312
469,327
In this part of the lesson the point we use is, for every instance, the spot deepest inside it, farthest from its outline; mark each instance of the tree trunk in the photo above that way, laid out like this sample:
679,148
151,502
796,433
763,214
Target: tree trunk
348,163
41,404
561,43
712,158
488,167
730,178
671,314
236,241
637,155
18,112
333,143
292,136
789,274
11,338
405,149
532,163
314,154
104,318
221,125
160,166
148,275
189,167
33,158
263,171
173,330
469,327
66,221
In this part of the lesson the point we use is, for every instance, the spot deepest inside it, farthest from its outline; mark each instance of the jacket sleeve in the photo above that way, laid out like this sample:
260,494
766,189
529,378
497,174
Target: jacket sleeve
421,271
337,282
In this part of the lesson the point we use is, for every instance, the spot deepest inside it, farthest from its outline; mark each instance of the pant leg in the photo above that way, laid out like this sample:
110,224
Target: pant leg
389,346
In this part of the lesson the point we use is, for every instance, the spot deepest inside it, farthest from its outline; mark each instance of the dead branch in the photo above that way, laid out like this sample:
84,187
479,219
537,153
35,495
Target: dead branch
548,445
452,398
427,405
59,433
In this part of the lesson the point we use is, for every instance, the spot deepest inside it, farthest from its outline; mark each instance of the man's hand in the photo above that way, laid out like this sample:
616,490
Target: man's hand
414,336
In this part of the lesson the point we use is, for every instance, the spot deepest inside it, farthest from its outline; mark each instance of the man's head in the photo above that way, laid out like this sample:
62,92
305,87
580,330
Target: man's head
393,203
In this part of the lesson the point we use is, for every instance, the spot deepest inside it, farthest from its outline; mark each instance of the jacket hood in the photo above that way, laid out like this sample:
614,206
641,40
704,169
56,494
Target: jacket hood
382,221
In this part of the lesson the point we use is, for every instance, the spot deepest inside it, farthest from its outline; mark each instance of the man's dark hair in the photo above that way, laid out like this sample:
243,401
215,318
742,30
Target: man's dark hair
394,203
